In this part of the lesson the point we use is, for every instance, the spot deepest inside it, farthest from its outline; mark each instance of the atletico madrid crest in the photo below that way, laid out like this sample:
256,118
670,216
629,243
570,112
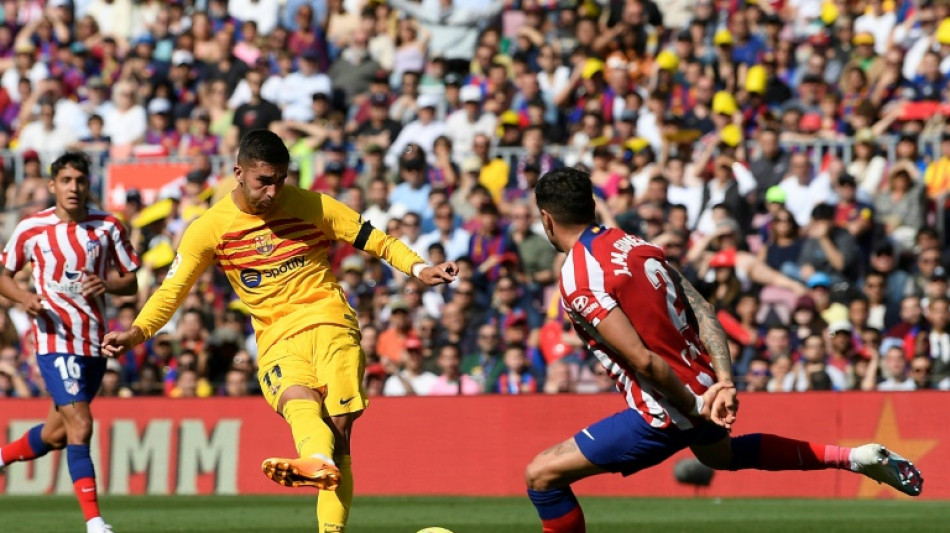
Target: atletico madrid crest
71,386
263,244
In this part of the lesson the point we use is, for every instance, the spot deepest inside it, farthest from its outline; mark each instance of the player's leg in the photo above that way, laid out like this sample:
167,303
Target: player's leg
762,451
37,441
290,386
73,396
549,476
623,443
333,508
314,466
343,362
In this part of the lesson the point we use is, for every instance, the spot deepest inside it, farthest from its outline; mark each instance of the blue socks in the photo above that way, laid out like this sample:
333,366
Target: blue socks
35,439
79,462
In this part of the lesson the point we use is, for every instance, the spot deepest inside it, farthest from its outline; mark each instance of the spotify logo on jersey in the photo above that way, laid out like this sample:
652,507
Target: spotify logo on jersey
250,278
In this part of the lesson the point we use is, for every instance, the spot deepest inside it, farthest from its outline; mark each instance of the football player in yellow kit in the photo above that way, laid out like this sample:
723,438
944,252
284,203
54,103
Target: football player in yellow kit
272,243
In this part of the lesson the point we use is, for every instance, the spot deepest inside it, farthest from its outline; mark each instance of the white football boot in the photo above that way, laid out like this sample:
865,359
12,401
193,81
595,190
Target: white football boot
884,466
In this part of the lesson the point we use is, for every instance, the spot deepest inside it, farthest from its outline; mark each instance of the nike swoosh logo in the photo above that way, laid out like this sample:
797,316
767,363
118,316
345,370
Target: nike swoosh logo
585,432
346,401
88,489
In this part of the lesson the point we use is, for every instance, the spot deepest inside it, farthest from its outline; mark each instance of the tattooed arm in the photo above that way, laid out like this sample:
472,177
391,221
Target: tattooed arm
710,331
725,405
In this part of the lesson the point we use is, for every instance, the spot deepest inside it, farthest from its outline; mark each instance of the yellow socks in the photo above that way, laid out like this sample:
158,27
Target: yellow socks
314,437
311,434
333,508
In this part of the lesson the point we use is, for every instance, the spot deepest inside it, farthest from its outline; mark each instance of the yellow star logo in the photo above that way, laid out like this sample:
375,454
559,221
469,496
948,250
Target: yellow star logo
887,434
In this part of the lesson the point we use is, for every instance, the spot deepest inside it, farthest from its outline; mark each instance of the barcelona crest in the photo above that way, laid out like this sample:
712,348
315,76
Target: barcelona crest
263,244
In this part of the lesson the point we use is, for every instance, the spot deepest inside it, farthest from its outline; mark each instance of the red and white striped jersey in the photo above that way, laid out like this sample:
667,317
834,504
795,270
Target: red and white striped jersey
61,253
608,268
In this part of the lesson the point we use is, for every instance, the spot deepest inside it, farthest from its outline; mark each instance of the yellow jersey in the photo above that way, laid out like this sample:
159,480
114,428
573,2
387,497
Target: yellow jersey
277,263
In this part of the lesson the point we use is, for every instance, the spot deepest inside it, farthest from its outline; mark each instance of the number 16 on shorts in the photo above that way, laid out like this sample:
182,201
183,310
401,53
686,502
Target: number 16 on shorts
70,371
71,378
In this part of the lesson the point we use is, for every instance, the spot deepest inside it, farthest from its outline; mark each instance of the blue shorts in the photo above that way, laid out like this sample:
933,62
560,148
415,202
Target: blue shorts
71,378
626,443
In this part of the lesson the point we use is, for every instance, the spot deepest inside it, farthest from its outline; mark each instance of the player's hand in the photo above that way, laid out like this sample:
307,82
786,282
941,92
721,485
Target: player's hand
117,343
33,304
439,274
710,410
725,405
93,286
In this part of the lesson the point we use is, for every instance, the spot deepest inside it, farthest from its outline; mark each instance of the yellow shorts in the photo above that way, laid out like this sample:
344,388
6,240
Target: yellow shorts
327,358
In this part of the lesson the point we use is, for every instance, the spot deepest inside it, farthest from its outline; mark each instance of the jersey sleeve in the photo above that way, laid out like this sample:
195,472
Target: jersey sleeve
583,287
195,254
14,253
344,224
123,253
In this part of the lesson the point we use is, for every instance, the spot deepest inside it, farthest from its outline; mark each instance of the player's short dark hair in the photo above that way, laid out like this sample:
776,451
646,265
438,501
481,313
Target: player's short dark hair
264,146
75,160
567,195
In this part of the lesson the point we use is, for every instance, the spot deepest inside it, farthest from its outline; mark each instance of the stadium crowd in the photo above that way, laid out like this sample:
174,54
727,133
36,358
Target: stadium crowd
775,149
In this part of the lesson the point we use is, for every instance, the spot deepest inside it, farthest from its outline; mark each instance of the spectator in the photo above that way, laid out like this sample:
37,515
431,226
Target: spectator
256,113
392,342
827,248
453,26
920,367
354,70
895,364
900,207
939,340
422,132
772,165
560,379
14,376
453,238
463,125
814,361
757,376
485,365
518,376
803,189
412,379
126,123
44,136
451,382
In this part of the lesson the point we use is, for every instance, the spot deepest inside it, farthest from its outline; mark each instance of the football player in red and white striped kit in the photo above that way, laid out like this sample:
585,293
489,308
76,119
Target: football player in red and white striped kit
660,340
77,254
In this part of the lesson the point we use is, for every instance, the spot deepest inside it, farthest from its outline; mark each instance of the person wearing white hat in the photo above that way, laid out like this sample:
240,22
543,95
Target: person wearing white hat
464,124
423,131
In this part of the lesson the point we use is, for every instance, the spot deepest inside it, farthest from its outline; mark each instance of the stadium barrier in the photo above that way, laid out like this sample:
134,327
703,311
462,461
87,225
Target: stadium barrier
477,446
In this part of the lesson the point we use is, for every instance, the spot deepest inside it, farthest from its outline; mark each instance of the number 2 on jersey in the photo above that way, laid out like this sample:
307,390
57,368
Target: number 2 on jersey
68,368
655,270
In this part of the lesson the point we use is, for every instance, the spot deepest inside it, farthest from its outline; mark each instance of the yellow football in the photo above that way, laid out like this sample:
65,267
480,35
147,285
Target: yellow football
434,530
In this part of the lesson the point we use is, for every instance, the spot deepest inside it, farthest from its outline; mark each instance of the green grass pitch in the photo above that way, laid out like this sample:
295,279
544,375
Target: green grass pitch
295,514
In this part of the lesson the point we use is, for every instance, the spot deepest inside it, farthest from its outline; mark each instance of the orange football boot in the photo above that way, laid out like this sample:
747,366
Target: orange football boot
302,472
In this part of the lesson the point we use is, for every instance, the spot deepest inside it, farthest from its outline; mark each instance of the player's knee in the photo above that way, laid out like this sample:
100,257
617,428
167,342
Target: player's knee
55,438
297,392
538,475
79,429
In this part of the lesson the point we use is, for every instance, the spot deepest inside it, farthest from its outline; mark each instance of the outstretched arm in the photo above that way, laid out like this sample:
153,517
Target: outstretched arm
347,225
195,254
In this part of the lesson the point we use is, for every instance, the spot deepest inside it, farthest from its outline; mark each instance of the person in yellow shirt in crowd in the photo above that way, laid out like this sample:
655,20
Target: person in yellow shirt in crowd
937,175
272,243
